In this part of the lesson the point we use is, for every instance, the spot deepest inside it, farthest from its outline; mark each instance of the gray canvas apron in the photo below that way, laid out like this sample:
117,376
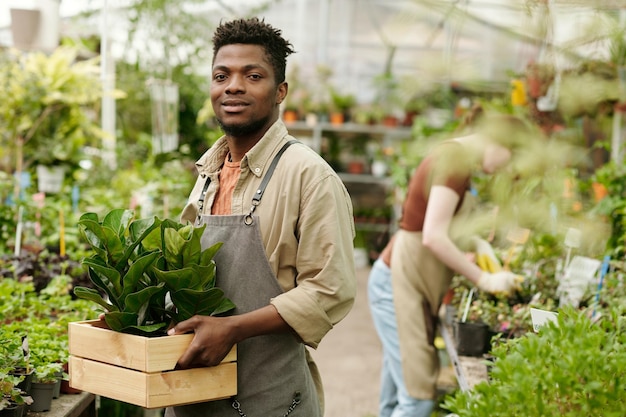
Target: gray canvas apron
273,378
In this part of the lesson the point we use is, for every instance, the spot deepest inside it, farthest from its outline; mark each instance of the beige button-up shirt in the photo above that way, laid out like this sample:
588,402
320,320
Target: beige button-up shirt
306,223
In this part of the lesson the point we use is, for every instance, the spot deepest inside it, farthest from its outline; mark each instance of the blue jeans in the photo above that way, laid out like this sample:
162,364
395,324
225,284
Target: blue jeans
395,401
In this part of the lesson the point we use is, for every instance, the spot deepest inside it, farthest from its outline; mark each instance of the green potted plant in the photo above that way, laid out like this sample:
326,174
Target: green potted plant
47,376
138,263
12,398
341,105
13,364
43,118
137,266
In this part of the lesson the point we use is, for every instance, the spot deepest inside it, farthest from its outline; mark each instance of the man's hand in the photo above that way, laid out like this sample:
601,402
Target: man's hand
499,282
214,338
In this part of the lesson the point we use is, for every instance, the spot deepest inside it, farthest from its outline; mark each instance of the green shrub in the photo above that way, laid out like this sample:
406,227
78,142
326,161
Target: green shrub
575,367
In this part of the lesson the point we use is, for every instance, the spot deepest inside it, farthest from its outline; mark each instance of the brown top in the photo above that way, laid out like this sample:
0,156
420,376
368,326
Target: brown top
446,165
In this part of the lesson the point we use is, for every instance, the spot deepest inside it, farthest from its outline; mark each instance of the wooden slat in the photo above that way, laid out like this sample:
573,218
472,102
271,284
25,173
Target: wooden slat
93,340
154,390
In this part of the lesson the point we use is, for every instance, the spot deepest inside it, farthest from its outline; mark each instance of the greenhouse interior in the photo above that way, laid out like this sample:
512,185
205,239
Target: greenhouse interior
107,117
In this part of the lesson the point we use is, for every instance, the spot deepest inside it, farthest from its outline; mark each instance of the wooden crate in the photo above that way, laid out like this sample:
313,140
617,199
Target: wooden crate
140,370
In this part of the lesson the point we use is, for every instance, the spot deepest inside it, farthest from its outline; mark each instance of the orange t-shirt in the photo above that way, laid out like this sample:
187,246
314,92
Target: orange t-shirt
229,175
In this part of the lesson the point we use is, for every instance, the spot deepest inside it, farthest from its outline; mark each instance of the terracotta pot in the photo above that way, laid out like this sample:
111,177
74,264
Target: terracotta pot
599,191
356,167
336,118
290,116
390,121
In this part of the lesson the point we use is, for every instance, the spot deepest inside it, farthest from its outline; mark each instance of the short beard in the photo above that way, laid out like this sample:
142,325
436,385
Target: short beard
244,129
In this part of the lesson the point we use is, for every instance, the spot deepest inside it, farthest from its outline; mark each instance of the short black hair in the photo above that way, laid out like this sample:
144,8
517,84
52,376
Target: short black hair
256,32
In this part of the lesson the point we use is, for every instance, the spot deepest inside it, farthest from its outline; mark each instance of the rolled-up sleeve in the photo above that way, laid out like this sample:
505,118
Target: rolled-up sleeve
325,282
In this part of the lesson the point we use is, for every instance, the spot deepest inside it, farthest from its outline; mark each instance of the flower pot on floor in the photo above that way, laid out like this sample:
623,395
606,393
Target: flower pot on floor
471,338
42,396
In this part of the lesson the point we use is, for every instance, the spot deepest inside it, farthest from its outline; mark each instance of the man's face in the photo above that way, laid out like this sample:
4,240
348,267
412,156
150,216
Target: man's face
244,94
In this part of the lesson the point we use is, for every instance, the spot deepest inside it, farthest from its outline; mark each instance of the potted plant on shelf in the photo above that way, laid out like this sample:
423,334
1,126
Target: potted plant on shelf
341,105
137,266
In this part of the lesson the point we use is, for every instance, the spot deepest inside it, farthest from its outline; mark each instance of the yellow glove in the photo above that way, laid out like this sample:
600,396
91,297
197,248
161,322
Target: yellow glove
504,282
486,257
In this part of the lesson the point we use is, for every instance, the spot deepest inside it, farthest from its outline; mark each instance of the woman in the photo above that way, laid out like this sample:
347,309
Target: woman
408,281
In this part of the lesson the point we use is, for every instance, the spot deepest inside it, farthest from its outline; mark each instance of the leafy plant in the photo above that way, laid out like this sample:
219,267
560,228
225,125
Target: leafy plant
10,393
44,107
572,367
48,372
11,359
138,264
613,206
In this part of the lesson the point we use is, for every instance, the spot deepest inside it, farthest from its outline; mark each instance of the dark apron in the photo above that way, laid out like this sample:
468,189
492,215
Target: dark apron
273,378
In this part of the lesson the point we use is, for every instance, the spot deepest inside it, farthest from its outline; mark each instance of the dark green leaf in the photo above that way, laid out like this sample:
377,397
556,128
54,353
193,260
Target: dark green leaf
173,253
191,251
192,302
136,300
93,295
115,248
118,320
136,272
138,230
106,278
89,216
179,278
118,220
94,235
141,228
209,253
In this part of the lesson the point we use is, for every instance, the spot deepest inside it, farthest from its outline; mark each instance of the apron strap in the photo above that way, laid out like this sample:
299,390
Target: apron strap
202,196
259,193
256,200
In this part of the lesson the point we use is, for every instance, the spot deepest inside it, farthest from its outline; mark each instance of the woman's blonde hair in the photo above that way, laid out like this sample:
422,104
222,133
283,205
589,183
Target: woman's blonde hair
506,130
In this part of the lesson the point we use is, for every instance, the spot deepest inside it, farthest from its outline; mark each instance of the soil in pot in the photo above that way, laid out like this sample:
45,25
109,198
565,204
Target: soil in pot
471,338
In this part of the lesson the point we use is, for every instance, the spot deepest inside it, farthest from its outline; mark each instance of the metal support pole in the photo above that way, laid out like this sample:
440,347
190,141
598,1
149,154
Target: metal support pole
107,75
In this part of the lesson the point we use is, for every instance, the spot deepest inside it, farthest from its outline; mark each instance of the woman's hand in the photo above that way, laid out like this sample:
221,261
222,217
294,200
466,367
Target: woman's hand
504,282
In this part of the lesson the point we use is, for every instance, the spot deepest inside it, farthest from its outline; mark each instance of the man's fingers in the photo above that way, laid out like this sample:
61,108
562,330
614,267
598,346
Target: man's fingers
183,327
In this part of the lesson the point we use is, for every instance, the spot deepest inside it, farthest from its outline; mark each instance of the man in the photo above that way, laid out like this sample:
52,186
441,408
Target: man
287,227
